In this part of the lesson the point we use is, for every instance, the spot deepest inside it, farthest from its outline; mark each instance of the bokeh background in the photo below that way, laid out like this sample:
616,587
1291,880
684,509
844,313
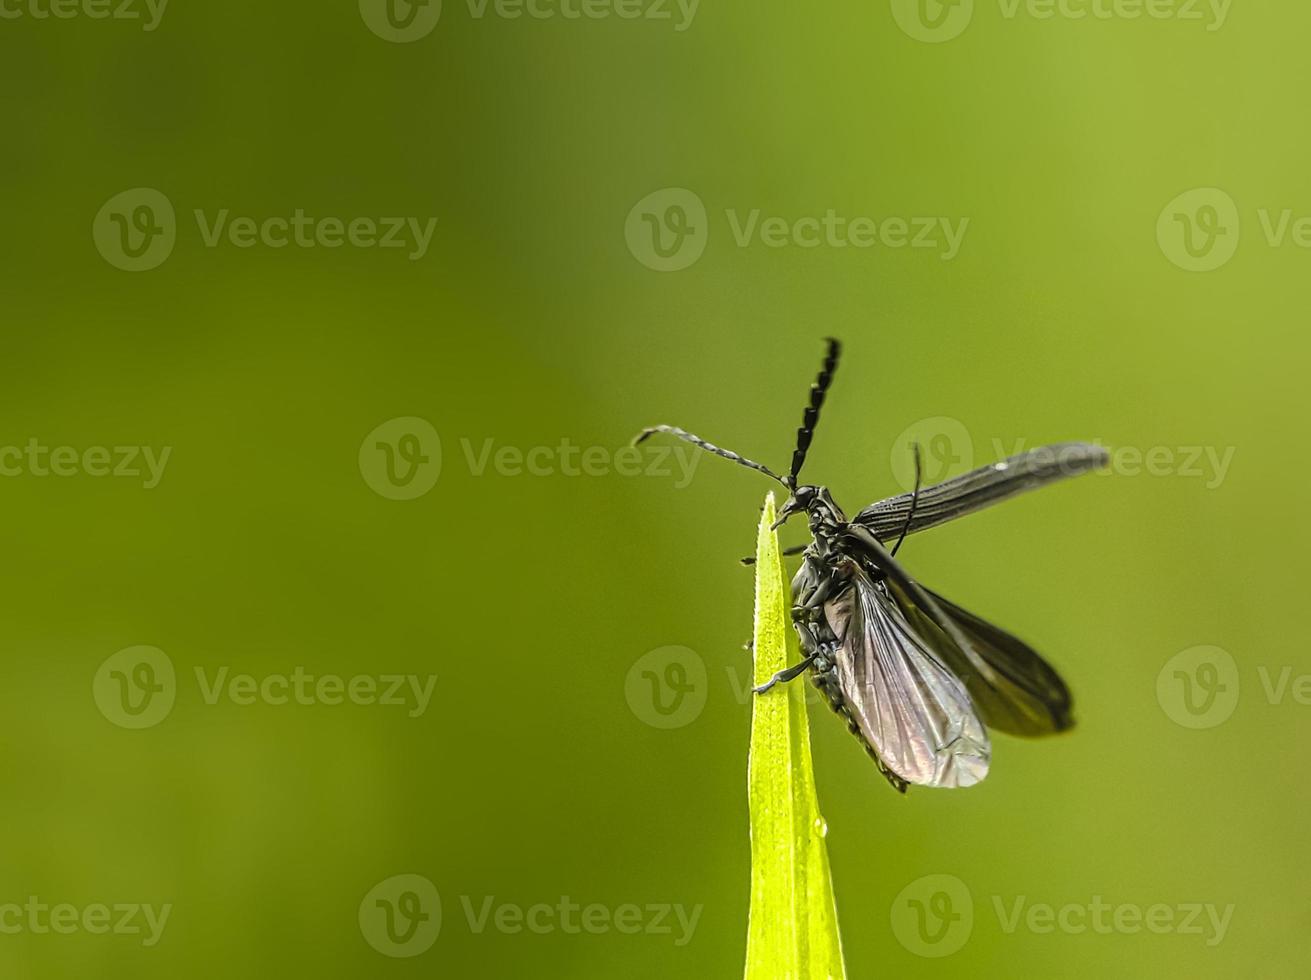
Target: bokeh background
559,756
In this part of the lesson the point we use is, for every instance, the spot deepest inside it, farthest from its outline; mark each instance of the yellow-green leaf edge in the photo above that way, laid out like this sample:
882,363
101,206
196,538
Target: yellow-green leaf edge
793,929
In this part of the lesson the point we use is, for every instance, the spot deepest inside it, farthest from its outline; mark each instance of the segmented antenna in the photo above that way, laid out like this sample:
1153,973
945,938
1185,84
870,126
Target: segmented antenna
709,447
817,392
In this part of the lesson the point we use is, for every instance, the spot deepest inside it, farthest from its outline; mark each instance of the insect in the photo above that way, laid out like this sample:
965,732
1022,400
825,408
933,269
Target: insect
919,680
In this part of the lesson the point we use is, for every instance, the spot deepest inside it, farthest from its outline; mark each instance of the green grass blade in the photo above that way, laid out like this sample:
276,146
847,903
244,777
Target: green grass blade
793,929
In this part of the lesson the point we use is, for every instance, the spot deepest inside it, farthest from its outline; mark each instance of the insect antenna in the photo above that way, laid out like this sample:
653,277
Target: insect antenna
709,447
914,499
817,392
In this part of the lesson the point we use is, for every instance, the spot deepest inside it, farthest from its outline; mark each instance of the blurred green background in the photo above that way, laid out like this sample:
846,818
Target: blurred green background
543,766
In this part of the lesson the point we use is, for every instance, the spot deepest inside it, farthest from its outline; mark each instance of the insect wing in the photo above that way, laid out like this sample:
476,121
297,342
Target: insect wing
860,542
981,488
1023,694
909,706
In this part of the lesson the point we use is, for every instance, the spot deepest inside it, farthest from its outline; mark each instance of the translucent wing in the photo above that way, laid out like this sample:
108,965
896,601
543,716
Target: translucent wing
861,542
909,707
1022,695
980,488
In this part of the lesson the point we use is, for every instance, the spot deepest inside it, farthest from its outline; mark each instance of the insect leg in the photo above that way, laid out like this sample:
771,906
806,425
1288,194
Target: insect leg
810,607
914,501
810,645
789,674
787,553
